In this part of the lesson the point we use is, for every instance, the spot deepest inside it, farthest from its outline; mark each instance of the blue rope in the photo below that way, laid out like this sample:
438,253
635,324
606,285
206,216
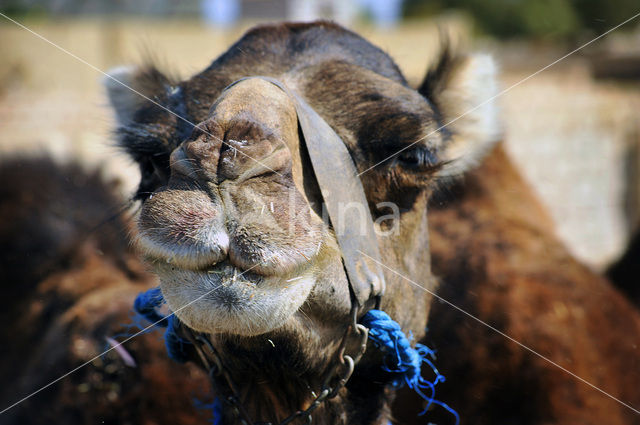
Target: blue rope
215,406
401,358
146,305
404,361
217,411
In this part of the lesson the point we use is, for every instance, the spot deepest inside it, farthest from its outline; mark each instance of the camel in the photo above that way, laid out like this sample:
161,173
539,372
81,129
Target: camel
230,213
497,258
211,210
72,275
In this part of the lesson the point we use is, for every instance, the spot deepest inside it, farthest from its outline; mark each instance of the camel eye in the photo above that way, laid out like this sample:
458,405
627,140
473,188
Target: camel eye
418,159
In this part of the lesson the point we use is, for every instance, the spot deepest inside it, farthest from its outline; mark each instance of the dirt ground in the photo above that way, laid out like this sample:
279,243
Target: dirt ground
569,134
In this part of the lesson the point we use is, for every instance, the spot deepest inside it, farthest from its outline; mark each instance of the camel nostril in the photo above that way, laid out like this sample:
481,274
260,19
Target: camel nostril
180,163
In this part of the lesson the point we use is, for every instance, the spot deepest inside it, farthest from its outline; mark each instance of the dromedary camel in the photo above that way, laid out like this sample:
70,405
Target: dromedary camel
230,208
217,208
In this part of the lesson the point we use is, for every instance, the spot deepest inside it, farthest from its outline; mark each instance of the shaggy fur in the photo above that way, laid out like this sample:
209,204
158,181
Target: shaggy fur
510,260
496,257
71,277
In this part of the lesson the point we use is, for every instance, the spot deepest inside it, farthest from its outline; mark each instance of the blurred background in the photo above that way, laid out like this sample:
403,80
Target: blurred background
573,129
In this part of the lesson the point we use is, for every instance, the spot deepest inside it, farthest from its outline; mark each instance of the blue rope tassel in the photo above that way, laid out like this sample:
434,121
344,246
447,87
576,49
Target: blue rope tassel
403,360
146,305
147,302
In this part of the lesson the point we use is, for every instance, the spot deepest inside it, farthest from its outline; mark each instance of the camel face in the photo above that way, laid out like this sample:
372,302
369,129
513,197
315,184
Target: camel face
231,226
232,217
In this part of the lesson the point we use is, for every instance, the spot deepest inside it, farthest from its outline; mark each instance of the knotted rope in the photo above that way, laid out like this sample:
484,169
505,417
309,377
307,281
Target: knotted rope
404,361
146,305
401,359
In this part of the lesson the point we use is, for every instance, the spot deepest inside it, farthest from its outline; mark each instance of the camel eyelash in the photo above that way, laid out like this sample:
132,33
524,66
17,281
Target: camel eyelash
418,158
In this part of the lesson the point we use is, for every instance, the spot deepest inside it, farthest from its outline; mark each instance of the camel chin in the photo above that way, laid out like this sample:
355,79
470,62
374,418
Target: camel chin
227,300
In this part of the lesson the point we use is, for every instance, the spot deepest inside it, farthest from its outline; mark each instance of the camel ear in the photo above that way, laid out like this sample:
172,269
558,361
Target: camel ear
127,87
463,88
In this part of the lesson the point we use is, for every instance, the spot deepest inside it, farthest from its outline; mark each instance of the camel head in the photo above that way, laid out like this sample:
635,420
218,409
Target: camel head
232,217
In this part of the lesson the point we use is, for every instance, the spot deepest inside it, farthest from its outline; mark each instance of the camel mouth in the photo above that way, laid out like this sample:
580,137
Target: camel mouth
199,253
226,299
225,279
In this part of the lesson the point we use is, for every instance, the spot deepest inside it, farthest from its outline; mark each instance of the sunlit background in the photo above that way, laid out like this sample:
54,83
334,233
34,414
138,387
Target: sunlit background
574,129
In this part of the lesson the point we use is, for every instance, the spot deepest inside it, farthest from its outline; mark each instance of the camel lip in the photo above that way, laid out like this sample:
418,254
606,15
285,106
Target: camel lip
223,271
210,258
191,257
227,300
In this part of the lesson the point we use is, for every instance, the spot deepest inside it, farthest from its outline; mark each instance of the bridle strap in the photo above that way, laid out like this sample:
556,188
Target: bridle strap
344,198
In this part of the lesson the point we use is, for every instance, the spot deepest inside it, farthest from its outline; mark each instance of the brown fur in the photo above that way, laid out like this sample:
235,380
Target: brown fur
510,259
497,258
77,290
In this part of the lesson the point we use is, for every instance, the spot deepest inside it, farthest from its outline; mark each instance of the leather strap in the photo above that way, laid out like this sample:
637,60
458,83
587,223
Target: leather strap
344,198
